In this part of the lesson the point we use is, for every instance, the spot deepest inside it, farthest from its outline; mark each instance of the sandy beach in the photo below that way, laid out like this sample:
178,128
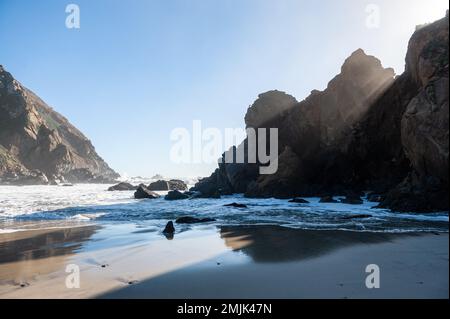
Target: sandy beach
130,261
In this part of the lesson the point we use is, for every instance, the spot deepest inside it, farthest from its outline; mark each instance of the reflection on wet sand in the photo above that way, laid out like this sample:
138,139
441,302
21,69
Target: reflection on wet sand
279,244
22,259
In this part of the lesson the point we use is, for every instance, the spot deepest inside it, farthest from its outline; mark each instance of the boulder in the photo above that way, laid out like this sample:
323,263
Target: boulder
169,229
236,205
160,185
177,185
175,195
352,199
173,184
375,198
122,187
327,199
143,192
193,220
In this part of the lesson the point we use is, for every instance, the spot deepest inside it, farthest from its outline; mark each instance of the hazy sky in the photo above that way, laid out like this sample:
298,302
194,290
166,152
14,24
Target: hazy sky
137,69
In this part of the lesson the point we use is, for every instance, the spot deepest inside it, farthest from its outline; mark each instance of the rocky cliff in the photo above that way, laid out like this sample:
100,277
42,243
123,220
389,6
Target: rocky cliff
38,145
367,131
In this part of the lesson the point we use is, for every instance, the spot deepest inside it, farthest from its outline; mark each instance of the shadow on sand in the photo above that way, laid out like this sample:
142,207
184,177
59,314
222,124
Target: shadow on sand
264,245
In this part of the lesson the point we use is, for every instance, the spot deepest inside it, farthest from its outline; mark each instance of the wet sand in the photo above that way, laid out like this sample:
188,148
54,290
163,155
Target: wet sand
128,261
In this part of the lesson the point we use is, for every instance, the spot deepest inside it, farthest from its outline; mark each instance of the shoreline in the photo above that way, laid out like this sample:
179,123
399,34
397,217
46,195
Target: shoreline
206,261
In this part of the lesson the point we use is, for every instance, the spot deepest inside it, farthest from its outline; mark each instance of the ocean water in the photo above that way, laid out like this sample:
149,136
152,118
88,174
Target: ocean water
92,203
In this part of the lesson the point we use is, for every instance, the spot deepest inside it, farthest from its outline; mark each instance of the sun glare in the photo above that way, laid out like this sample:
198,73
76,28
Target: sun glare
428,11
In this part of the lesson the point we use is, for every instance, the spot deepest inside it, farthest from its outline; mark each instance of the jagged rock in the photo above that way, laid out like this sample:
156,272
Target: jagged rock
123,186
327,199
408,128
313,134
33,137
143,192
299,201
193,220
175,195
236,205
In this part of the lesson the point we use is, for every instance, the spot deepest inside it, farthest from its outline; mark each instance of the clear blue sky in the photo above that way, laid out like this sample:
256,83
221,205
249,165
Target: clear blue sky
136,69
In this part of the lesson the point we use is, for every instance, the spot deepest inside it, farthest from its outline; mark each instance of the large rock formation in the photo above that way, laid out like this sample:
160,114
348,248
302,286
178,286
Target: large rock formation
312,133
38,144
424,125
366,131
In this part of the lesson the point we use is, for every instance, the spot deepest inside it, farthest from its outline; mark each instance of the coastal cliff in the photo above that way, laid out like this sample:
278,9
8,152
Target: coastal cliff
367,131
40,146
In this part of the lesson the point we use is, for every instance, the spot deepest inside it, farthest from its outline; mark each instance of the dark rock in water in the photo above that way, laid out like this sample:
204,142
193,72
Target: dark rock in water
352,199
175,195
123,187
416,195
143,192
193,220
236,205
375,198
169,229
159,186
299,201
327,199
357,216
173,184
177,185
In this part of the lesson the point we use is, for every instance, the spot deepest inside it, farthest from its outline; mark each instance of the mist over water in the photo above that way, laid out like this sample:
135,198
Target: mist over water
92,203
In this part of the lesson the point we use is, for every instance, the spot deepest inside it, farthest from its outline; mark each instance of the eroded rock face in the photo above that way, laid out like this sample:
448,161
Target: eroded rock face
35,137
425,124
